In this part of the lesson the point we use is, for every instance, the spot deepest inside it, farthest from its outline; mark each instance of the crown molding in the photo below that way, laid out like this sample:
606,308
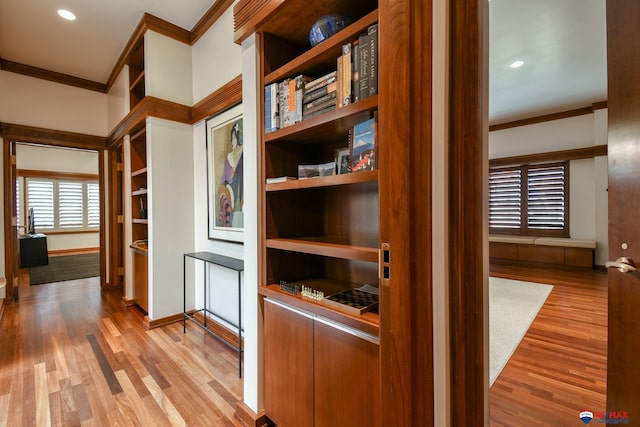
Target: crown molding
41,73
21,133
550,117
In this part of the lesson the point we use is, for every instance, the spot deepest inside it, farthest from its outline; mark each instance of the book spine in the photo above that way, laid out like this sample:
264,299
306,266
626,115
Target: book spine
319,112
339,78
323,101
346,74
321,81
355,52
310,96
275,115
292,101
283,103
331,96
299,90
365,61
373,66
267,109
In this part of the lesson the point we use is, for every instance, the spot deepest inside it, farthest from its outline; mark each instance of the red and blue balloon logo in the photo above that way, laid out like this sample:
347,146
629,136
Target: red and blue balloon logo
586,417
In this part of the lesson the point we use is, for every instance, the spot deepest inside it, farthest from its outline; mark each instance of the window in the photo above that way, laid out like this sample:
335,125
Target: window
63,204
529,199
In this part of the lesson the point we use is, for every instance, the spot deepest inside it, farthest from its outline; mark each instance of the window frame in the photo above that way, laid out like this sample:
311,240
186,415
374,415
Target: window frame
86,180
524,229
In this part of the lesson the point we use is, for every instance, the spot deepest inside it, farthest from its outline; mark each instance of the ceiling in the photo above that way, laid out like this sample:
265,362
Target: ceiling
562,44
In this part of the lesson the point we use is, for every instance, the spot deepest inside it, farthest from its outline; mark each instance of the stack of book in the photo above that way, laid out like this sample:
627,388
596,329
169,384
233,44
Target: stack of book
320,95
355,78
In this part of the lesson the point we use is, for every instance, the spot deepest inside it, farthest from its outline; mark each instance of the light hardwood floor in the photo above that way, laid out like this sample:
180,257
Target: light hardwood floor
560,367
73,355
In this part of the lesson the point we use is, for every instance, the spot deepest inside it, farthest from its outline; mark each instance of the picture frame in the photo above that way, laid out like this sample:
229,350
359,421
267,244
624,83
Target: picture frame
225,175
343,160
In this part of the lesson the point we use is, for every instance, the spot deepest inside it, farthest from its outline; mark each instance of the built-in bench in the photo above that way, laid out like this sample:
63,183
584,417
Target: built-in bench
547,250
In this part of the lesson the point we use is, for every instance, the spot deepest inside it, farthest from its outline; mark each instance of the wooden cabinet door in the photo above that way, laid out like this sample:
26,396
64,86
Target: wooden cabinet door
288,366
346,378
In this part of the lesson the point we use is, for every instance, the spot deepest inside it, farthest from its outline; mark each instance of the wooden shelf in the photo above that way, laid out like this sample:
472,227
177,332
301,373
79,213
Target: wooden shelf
336,121
137,81
327,246
140,221
141,248
139,172
139,192
324,54
367,322
325,181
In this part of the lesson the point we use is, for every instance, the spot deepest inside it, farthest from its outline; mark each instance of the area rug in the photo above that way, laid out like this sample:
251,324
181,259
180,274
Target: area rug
513,305
66,267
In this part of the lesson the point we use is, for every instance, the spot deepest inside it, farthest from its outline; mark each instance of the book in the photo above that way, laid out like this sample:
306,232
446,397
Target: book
363,146
279,179
283,103
346,74
323,101
271,108
355,54
298,95
317,93
320,81
319,112
373,56
365,64
339,78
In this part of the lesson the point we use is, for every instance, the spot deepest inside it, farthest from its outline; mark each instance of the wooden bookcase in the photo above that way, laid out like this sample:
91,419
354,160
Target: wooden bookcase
325,229
139,220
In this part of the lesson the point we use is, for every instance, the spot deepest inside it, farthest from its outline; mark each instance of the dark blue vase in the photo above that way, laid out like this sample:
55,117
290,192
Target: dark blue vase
327,26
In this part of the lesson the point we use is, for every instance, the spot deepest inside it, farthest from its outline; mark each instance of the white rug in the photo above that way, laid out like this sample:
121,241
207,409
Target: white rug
513,305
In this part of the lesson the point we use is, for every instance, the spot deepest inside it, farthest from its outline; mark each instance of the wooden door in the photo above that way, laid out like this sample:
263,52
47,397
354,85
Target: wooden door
623,51
346,378
288,366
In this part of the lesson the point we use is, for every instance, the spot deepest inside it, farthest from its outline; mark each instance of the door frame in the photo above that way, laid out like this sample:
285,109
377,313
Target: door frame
11,134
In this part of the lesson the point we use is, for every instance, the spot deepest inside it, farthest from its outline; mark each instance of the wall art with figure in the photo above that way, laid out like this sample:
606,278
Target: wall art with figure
225,175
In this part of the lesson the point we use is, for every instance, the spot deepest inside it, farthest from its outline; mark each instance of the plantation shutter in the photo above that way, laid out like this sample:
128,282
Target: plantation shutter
40,198
18,202
505,198
93,204
546,197
71,204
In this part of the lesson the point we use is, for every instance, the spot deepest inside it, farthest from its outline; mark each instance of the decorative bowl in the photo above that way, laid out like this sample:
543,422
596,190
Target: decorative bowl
327,26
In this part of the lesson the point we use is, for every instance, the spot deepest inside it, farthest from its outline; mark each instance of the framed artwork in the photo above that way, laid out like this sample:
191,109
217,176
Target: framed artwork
343,160
225,186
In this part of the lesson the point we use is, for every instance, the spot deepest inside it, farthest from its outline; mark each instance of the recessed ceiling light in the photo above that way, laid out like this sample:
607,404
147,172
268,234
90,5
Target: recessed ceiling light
66,14
516,64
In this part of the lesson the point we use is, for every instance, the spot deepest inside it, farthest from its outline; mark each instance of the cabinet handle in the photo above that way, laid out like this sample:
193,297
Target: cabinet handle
335,325
290,308
351,331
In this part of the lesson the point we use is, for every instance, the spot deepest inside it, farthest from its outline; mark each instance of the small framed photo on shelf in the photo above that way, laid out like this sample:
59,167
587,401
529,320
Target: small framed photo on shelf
343,160
312,171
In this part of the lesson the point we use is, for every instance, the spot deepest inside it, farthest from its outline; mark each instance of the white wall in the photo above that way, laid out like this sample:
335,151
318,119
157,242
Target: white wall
2,270
118,99
167,68
216,58
588,177
34,102
171,212
52,159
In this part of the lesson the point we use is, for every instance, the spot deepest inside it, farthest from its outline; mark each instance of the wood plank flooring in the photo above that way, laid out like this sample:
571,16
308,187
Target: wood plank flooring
72,355
560,367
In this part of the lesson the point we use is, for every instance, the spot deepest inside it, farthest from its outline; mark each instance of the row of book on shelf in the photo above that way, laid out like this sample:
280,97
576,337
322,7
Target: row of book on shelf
359,155
303,97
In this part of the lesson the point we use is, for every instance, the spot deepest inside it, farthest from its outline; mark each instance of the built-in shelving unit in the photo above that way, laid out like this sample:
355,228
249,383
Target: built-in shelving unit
322,230
139,221
136,74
